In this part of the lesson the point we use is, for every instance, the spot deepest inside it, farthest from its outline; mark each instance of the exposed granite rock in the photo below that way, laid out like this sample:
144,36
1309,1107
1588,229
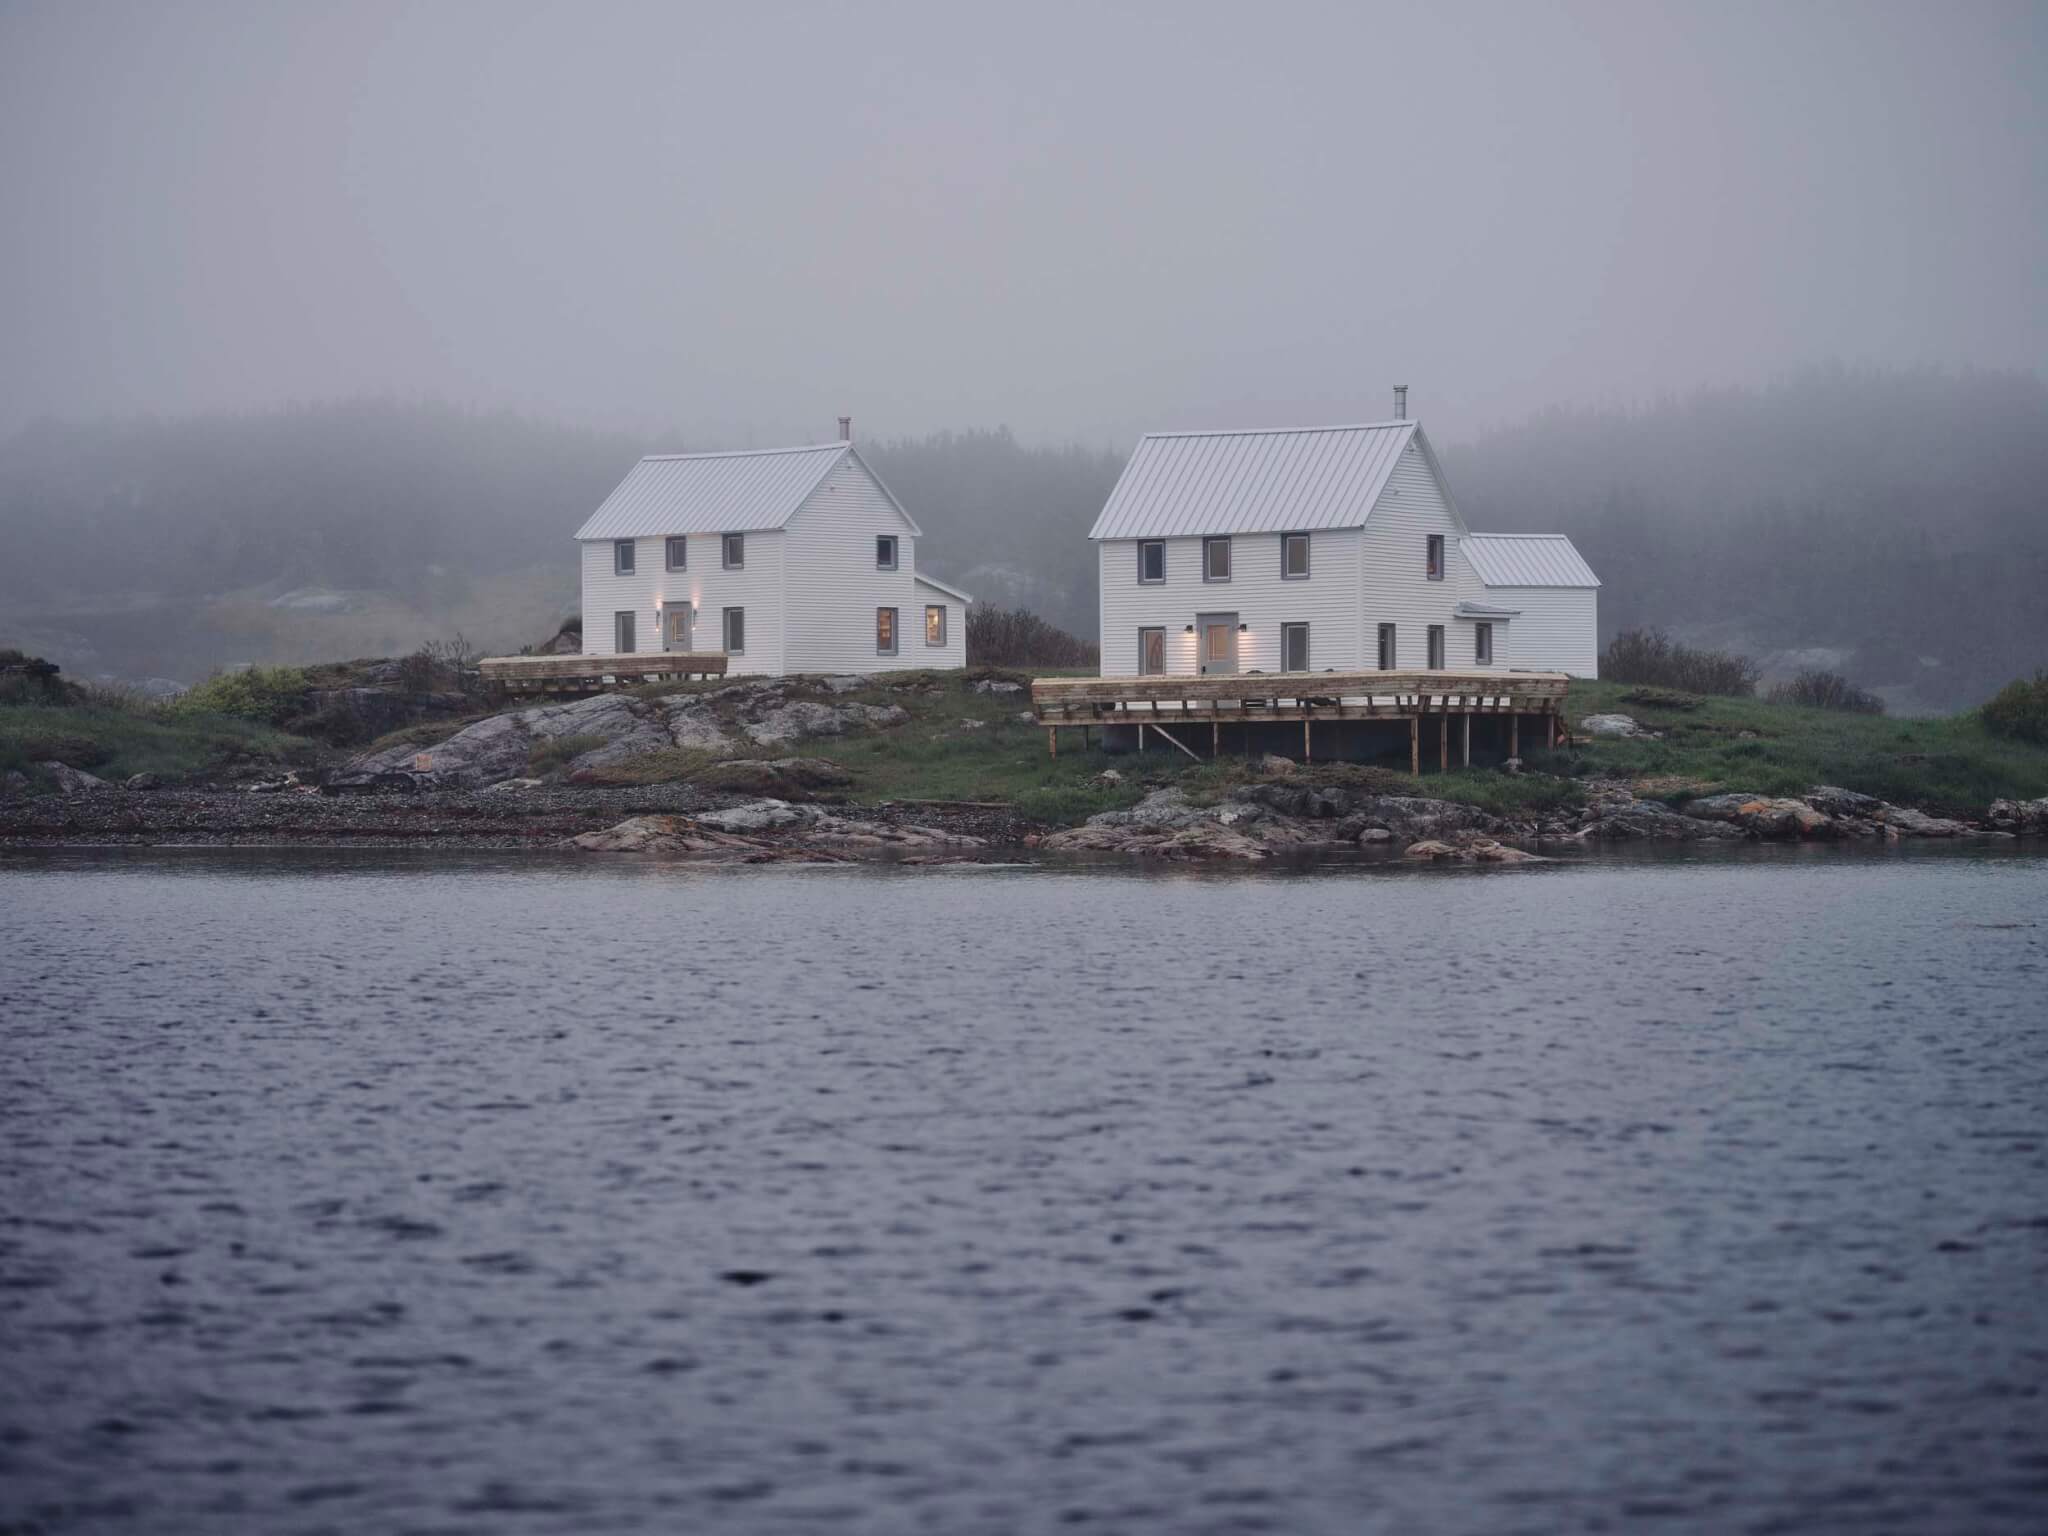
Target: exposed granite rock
851,682
2020,816
1765,817
513,786
789,719
142,781
1624,726
997,685
1470,848
1274,766
1624,819
1258,821
774,829
14,782
72,781
1830,801
1911,823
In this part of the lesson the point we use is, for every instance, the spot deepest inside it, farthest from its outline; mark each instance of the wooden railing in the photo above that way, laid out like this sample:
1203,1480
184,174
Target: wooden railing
592,674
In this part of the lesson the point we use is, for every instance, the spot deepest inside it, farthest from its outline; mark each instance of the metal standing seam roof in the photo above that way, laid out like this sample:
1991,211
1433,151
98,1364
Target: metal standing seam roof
1276,481
713,492
1527,560
939,586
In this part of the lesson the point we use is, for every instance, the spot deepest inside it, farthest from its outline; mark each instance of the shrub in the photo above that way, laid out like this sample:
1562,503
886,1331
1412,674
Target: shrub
2020,710
1653,657
1017,637
268,694
1817,689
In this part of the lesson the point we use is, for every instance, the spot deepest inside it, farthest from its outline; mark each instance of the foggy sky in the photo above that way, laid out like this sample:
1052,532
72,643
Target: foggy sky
735,221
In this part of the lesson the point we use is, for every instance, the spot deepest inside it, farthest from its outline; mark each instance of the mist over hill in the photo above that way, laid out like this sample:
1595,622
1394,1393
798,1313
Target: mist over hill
1894,525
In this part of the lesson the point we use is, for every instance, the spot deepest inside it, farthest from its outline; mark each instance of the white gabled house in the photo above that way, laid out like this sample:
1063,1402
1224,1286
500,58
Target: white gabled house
1320,549
786,560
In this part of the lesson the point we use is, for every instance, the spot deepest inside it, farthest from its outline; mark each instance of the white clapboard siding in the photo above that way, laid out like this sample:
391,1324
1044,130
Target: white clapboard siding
757,587
834,587
953,653
1554,629
1395,587
1327,601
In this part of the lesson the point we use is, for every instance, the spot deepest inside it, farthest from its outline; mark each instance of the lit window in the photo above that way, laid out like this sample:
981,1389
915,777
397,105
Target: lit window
1152,561
735,630
1216,559
1294,556
885,552
935,624
735,551
622,557
885,631
678,553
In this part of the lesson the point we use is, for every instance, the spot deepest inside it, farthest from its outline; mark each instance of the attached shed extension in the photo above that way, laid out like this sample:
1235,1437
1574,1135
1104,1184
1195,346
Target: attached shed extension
1553,595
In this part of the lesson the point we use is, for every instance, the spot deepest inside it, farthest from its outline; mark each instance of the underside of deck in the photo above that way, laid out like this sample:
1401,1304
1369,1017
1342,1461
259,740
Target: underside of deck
1172,708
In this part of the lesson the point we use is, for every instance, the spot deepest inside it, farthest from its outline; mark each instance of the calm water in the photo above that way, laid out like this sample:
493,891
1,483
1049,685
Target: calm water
346,1194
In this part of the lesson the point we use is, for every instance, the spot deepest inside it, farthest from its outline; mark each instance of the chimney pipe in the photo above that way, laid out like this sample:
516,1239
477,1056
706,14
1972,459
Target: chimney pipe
846,429
1400,402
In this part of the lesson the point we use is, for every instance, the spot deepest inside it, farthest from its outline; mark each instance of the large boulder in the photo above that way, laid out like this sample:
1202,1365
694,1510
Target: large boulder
499,747
1621,818
1908,822
2020,816
772,829
1832,801
1469,848
72,781
1623,726
786,720
1764,817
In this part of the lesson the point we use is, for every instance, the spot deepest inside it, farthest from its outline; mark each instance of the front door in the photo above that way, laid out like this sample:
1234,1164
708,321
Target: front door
676,628
1216,642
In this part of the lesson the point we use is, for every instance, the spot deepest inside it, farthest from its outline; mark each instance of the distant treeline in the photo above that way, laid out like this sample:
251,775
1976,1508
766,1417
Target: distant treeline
1897,520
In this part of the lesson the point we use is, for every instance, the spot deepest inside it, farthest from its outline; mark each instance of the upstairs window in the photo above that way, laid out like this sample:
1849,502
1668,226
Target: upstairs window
1434,559
678,553
885,631
622,557
1151,561
935,624
1482,644
1216,559
1294,558
885,551
1386,647
1293,647
1436,647
735,551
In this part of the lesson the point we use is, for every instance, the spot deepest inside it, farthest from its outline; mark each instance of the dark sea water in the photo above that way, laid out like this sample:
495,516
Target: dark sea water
362,1194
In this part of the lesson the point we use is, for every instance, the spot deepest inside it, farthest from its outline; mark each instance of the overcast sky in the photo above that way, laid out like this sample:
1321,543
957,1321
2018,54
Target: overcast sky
736,220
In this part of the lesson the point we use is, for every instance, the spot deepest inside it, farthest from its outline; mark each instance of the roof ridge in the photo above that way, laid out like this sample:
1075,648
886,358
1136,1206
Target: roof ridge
1564,536
741,453
1349,426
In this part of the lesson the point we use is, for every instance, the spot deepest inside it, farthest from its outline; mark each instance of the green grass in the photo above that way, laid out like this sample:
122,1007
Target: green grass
1943,764
546,756
114,742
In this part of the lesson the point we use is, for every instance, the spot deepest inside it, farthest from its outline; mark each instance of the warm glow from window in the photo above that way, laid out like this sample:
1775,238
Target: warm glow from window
935,624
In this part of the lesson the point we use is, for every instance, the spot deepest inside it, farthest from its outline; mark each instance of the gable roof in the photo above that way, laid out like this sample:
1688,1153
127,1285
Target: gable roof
741,492
1287,480
1527,560
939,586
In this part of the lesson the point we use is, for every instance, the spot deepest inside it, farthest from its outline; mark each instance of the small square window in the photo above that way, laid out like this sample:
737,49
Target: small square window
1482,644
885,631
885,552
1216,559
1293,647
935,624
1151,652
1434,559
735,551
1294,556
678,553
622,557
735,631
1151,561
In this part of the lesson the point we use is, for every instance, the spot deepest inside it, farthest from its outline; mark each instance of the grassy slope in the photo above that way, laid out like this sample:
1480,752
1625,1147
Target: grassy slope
114,742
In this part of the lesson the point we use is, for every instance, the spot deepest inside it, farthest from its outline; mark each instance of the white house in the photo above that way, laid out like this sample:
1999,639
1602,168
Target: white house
1321,548
787,560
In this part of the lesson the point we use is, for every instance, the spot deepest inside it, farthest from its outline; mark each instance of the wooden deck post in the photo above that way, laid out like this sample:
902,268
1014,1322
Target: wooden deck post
1215,739
1443,742
1306,755
1052,739
1468,741
1514,735
1415,745
1550,732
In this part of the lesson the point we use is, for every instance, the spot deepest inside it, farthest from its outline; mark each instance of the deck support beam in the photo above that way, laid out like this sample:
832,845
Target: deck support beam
1415,745
1468,741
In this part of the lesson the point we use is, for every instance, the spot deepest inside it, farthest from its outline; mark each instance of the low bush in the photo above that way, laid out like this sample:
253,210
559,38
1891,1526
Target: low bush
266,694
1653,657
1817,689
1017,637
2019,711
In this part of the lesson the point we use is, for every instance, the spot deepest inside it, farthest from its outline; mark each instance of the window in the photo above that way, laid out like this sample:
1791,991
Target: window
1434,560
885,552
678,553
1151,652
735,631
622,557
735,551
1294,556
935,624
1436,647
1151,561
885,631
1386,647
622,634
1293,647
1216,559
1482,644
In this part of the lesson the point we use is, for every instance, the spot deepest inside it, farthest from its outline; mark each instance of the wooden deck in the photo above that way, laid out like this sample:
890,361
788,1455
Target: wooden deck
1170,706
594,674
